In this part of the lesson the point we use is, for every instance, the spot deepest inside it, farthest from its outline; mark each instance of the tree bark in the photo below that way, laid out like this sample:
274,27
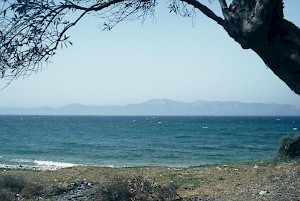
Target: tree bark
259,25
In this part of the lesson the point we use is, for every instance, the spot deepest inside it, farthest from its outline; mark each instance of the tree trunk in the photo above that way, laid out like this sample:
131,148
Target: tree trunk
259,25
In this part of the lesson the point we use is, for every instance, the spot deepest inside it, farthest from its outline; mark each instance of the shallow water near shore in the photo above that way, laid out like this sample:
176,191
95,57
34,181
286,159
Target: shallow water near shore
112,141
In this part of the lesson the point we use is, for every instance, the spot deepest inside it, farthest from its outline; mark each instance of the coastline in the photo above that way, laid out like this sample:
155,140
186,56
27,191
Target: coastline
234,181
43,165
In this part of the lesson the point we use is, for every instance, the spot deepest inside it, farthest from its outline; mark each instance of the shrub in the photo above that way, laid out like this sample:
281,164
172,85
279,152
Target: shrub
11,185
117,191
30,191
289,148
135,189
6,195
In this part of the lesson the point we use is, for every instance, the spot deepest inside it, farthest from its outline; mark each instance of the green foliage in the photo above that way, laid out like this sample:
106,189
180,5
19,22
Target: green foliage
116,191
13,184
180,180
289,148
10,186
30,191
136,188
6,195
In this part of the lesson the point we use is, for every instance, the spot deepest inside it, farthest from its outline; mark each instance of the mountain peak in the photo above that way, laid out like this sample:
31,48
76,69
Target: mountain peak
160,101
165,107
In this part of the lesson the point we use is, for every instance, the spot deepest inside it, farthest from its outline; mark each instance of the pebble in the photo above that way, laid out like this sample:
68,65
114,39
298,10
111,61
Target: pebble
263,192
76,192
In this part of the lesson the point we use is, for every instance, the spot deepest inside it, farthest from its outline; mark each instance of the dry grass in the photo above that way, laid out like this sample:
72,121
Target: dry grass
218,182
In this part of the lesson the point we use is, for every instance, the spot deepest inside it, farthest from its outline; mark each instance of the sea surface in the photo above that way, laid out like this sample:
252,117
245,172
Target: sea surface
118,141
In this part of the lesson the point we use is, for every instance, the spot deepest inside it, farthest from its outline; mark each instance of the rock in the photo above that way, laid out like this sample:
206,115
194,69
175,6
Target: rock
76,196
263,192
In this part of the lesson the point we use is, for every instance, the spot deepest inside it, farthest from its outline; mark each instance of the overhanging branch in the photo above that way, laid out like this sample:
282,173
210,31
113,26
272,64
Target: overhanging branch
205,10
223,4
96,7
224,8
31,31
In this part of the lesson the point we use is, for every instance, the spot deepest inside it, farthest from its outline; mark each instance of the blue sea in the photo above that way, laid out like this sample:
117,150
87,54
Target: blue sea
118,141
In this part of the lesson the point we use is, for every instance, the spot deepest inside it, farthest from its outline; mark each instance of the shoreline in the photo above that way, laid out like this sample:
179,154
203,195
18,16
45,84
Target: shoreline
37,165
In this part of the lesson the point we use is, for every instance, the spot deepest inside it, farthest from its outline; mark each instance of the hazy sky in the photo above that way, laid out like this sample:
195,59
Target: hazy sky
169,57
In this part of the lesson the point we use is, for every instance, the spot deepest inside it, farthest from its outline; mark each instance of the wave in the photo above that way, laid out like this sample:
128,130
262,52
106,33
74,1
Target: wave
54,164
40,165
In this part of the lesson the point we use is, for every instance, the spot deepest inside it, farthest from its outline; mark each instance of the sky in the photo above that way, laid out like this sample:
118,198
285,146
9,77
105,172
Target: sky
169,57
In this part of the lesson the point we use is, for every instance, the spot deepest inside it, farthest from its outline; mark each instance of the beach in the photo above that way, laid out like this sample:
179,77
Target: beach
236,181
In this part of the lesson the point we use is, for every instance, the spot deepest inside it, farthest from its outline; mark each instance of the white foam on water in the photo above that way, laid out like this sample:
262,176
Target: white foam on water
26,164
54,164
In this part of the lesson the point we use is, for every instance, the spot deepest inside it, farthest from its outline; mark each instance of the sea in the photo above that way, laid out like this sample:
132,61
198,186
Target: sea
49,142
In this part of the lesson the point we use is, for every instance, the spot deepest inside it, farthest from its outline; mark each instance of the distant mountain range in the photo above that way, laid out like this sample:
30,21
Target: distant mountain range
165,107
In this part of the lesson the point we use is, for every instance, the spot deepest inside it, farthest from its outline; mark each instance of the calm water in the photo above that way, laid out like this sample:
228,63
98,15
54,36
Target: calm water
137,141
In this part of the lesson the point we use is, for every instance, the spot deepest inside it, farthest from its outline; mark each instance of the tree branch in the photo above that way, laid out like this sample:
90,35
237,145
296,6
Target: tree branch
223,4
32,30
95,7
224,8
205,10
